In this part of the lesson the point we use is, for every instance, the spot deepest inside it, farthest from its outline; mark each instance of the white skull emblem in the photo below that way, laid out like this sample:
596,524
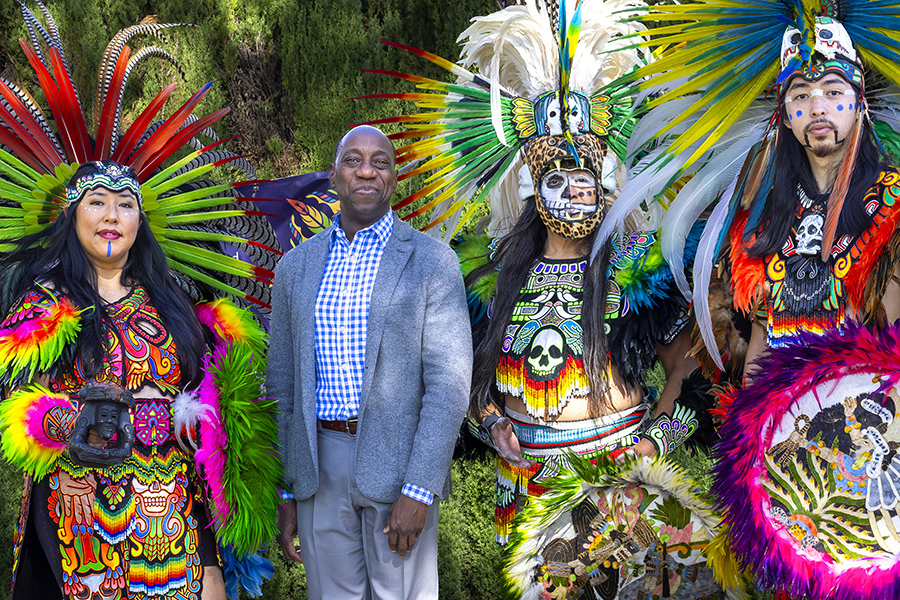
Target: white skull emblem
809,235
546,354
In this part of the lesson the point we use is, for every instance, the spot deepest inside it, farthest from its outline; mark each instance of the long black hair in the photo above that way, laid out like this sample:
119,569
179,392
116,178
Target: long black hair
792,167
55,259
516,254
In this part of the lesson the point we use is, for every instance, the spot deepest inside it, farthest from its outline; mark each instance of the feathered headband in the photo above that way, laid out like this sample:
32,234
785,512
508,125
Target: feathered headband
186,212
539,73
105,174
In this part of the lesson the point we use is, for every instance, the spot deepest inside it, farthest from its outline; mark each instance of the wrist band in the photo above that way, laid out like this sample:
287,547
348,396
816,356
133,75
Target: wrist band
667,433
484,429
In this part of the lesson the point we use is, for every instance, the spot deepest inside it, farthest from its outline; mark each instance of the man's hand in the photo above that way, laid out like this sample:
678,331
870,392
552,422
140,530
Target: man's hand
287,530
507,444
78,497
406,519
644,448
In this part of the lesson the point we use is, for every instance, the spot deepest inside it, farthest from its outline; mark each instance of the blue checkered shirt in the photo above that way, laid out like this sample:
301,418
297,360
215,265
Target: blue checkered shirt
342,319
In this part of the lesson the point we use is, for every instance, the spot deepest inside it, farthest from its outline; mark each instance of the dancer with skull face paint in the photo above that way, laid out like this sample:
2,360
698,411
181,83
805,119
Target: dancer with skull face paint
561,341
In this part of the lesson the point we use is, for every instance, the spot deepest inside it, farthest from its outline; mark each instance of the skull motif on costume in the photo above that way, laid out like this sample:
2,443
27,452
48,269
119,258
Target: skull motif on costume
832,41
546,356
809,235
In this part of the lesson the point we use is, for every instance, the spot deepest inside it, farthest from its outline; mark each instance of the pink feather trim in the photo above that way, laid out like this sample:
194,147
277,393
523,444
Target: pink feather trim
760,545
211,455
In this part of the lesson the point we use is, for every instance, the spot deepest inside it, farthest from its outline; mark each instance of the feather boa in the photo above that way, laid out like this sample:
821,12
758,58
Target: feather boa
228,322
33,345
791,372
238,457
25,441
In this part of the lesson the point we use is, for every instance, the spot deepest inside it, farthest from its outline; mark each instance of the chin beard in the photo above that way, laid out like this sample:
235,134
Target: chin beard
824,150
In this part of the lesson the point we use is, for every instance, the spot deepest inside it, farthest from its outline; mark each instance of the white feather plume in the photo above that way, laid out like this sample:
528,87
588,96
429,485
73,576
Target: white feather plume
187,411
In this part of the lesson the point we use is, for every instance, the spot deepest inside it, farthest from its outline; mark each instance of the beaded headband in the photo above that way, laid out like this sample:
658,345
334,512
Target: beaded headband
111,176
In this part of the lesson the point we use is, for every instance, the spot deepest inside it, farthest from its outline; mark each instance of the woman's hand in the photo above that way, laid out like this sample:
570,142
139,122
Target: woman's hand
77,497
507,444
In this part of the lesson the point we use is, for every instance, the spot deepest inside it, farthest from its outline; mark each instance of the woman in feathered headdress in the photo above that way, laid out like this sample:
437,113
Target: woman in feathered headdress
99,343
559,358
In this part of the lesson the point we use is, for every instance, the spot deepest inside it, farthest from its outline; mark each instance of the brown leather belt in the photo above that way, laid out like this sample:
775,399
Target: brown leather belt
348,426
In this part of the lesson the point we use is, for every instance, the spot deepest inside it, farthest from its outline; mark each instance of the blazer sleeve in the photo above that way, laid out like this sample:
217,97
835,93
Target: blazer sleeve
446,373
280,373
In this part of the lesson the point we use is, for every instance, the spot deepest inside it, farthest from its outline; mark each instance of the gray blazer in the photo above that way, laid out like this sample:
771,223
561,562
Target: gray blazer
418,366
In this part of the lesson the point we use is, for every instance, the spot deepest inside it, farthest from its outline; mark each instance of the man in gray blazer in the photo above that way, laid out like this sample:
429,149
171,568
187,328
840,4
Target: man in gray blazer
370,360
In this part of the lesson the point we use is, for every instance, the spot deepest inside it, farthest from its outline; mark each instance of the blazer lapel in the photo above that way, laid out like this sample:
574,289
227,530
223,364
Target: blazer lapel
396,254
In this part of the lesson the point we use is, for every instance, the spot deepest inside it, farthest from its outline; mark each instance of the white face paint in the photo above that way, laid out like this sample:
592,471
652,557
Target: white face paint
570,195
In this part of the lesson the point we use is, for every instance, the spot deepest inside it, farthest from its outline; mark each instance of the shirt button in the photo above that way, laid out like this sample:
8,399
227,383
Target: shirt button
345,368
343,330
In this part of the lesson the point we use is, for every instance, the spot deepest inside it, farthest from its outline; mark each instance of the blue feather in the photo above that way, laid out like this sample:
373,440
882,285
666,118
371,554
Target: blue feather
248,572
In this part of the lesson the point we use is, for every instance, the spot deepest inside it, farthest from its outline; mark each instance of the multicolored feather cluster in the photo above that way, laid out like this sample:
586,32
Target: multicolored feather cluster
34,428
470,132
188,214
534,525
238,457
34,344
740,471
232,324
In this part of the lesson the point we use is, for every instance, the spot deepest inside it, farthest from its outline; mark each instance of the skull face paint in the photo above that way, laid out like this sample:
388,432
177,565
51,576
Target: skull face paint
569,195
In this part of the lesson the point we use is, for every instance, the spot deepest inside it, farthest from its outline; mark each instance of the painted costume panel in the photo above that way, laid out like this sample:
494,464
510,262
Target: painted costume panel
808,474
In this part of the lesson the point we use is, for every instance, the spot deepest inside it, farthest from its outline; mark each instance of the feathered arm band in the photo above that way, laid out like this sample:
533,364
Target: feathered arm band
35,335
34,428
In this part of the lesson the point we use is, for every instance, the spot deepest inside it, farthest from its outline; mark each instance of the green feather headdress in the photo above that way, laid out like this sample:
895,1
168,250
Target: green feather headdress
534,77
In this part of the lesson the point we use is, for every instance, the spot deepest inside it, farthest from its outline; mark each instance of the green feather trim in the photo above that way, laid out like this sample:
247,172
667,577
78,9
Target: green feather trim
474,252
253,466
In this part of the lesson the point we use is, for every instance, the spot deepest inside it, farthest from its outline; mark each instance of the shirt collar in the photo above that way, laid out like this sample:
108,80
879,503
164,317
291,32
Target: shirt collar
382,228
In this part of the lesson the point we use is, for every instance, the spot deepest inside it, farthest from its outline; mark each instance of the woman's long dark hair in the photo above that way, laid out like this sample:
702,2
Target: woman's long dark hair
55,258
516,254
792,167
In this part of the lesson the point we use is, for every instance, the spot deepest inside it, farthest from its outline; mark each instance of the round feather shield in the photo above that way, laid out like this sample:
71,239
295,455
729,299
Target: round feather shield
609,531
808,471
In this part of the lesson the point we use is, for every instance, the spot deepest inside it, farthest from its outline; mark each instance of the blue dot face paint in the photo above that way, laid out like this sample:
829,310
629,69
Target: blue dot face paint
840,107
850,107
108,249
799,113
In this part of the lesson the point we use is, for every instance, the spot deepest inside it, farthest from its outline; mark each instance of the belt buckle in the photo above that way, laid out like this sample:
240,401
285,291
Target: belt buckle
347,422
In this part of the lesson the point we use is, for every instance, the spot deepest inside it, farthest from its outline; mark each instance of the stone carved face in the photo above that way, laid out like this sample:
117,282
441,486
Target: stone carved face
106,419
546,356
809,235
